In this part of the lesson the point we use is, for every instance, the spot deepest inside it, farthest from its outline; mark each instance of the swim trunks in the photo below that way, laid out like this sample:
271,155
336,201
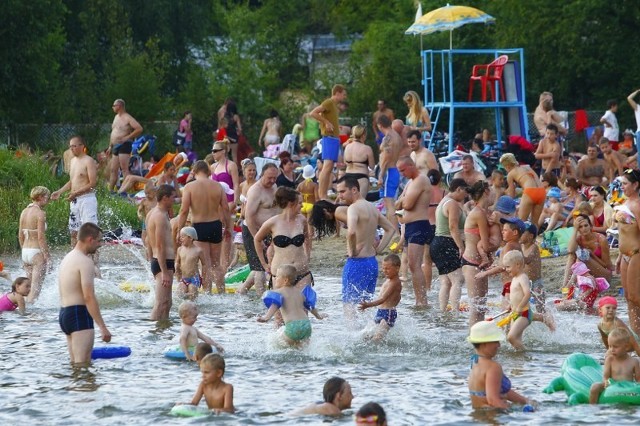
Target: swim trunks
537,195
391,183
250,250
506,289
359,279
330,148
419,232
196,281
298,330
28,254
155,266
389,315
465,262
83,209
122,148
74,318
528,314
379,137
445,254
209,232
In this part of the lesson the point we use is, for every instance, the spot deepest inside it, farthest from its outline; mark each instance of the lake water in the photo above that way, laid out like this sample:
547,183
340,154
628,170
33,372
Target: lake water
418,375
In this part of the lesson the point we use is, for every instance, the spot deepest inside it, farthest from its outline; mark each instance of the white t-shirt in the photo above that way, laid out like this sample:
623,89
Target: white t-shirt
612,133
637,113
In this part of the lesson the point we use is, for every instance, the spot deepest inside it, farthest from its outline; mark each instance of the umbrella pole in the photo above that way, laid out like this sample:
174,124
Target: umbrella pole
422,59
450,39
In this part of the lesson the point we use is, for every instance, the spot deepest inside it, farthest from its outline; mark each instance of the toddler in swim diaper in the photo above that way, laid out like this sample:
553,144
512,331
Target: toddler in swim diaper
15,299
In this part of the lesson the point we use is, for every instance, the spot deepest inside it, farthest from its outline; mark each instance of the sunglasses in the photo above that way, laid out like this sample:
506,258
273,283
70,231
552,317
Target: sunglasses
217,150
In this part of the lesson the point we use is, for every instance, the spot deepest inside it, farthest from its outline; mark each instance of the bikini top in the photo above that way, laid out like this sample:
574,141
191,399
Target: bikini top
224,176
26,231
598,250
505,383
365,162
283,241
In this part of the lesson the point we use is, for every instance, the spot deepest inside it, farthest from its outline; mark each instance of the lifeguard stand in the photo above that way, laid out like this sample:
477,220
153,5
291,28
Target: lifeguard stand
439,90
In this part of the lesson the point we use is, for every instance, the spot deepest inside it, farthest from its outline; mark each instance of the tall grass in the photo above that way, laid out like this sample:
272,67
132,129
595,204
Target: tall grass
19,174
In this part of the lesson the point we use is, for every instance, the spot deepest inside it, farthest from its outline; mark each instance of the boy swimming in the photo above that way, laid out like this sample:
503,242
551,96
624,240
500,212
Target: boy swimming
189,335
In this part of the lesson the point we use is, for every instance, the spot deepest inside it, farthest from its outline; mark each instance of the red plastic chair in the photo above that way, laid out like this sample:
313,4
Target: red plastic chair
489,74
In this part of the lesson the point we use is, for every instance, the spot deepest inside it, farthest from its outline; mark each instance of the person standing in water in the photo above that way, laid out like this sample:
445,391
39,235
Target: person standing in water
78,304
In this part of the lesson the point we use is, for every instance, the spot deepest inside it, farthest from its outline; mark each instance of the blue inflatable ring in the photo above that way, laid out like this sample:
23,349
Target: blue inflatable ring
108,352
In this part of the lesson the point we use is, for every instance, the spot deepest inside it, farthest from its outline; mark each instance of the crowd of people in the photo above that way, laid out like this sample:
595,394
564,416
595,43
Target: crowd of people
474,227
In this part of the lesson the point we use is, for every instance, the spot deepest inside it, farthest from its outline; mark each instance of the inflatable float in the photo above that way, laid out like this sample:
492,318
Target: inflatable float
109,352
190,411
579,371
175,352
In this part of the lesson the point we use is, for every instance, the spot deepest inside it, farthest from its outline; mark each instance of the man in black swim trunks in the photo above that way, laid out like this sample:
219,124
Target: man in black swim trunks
162,251
124,130
78,304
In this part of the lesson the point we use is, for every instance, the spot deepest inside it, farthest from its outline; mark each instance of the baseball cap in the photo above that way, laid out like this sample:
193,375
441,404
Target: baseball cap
519,223
554,192
506,205
531,228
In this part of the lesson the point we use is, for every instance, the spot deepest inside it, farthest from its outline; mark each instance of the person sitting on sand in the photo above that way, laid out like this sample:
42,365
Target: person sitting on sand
590,247
337,397
217,393
189,335
488,385
607,307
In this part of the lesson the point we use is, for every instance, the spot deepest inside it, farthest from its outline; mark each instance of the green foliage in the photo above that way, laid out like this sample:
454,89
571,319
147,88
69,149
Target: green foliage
20,174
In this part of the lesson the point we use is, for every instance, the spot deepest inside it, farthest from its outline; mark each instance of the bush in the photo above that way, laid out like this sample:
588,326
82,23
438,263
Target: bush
20,174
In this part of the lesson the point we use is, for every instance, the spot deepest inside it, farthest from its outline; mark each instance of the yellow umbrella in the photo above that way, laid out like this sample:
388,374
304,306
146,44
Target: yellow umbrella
449,18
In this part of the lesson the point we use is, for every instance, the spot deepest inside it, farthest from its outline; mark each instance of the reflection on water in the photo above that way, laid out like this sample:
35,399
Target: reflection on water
418,374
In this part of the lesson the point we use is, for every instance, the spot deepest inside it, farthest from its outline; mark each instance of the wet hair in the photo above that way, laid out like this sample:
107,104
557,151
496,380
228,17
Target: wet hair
393,259
89,229
332,387
553,128
509,159
478,189
415,133
620,334
268,166
550,178
458,183
202,349
186,307
572,183
38,192
285,195
166,190
17,282
288,272
358,131
324,227
350,182
434,176
600,190
372,409
337,88
201,166
214,361
513,257
384,121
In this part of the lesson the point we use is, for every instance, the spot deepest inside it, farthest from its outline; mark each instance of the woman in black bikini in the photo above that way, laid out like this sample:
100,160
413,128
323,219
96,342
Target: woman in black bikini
291,239
359,157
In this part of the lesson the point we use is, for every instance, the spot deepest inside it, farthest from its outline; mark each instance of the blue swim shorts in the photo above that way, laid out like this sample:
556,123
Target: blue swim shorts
391,183
359,278
330,148
389,315
419,232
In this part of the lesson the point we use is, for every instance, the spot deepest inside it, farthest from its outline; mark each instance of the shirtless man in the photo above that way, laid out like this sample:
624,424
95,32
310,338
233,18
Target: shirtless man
549,151
421,156
403,131
615,160
124,130
162,247
545,115
261,205
360,271
468,173
389,177
382,109
81,187
78,304
207,202
417,230
592,171
327,115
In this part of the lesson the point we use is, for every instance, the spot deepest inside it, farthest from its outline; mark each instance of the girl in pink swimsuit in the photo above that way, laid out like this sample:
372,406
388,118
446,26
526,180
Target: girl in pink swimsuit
15,300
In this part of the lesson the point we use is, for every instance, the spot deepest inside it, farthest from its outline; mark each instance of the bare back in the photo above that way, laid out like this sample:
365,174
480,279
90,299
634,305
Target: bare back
75,276
32,220
362,216
203,196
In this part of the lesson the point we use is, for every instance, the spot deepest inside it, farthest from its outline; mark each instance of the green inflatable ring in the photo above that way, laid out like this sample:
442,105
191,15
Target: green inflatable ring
187,410
237,275
579,371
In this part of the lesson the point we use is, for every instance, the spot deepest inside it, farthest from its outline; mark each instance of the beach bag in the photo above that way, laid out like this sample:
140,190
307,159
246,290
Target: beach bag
557,241
179,137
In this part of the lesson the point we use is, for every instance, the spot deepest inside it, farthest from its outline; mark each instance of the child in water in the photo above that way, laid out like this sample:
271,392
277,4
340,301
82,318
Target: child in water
146,205
583,289
202,349
16,299
522,313
533,264
293,305
607,307
189,335
371,414
618,365
390,295
217,393
187,259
